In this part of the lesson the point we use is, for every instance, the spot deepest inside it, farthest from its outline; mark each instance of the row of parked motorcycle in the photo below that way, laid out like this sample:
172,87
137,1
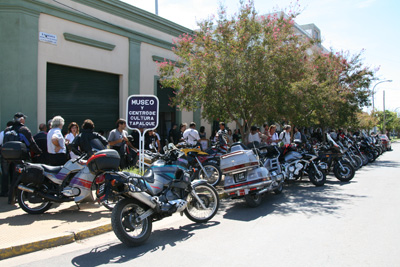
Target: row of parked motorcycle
182,179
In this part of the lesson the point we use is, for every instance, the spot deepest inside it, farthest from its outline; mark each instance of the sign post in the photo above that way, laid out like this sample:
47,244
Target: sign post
142,116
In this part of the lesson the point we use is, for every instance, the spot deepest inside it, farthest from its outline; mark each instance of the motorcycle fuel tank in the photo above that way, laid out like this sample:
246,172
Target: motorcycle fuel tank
292,155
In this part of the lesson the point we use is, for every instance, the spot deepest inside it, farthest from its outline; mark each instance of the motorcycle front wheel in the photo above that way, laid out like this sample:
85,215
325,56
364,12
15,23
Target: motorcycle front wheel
213,174
344,173
206,210
31,202
124,224
317,178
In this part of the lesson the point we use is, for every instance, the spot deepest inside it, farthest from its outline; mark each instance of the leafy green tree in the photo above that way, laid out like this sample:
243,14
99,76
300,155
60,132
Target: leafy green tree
238,69
390,120
365,121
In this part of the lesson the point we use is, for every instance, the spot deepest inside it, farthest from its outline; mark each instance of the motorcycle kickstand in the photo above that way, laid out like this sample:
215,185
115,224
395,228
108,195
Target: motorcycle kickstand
79,208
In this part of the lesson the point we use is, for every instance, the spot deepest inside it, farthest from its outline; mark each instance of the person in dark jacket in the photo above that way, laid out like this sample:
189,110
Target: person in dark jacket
41,141
26,137
82,141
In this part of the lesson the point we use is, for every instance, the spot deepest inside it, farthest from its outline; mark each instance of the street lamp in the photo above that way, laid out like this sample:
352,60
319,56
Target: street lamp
373,92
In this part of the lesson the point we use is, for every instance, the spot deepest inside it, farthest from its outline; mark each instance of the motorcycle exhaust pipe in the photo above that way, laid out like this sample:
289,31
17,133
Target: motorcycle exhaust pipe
143,197
25,188
41,194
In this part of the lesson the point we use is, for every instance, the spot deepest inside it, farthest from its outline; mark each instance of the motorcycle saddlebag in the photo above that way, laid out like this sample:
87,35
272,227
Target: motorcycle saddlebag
14,150
238,161
104,160
33,174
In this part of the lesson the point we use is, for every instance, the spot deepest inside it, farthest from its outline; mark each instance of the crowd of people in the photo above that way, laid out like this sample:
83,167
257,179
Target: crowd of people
50,146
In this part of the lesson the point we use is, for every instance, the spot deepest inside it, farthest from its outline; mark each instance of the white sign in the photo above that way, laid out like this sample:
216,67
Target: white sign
48,38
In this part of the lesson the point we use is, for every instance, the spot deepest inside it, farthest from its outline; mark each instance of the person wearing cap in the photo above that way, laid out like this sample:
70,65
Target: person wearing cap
56,143
26,137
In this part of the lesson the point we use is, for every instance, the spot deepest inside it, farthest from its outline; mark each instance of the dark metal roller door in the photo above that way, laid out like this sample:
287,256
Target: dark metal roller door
79,94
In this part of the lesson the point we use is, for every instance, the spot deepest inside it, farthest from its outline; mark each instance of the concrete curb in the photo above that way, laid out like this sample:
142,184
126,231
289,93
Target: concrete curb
53,242
64,239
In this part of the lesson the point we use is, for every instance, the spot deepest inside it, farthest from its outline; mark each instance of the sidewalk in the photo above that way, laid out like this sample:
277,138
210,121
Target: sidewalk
22,233
62,224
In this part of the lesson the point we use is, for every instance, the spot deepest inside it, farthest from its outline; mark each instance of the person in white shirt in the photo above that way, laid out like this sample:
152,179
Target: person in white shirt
254,135
285,135
56,143
191,135
73,131
274,139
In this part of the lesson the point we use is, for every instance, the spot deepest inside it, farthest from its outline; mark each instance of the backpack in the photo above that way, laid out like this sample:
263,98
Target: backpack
11,135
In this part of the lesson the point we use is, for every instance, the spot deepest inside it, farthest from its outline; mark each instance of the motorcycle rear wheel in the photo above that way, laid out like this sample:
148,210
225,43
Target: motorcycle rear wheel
316,178
195,211
125,227
32,203
214,173
344,174
253,200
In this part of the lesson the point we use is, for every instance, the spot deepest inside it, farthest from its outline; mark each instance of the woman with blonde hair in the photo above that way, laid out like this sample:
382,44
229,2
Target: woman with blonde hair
274,139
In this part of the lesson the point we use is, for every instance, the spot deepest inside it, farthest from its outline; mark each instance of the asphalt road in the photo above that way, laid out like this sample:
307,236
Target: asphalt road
340,224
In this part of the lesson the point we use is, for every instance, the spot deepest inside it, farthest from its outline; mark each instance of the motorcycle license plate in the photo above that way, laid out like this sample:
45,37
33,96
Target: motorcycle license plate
240,177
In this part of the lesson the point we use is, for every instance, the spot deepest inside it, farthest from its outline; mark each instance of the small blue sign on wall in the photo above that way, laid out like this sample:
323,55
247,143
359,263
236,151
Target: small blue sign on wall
142,112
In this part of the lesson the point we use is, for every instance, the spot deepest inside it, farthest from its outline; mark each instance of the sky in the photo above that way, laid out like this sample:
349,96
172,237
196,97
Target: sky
371,26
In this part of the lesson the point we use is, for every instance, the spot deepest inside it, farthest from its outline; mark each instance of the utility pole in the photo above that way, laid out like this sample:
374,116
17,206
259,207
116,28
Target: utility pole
384,114
157,7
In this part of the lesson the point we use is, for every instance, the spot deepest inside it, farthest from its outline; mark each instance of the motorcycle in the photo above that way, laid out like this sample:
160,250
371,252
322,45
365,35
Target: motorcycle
350,156
368,148
38,186
248,176
297,161
203,165
333,156
165,188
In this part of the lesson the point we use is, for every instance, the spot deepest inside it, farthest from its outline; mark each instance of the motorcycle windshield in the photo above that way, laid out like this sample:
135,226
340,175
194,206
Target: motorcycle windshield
330,139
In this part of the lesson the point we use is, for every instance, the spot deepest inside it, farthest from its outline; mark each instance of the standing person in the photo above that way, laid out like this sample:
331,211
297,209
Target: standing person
41,141
151,140
5,167
265,136
222,134
17,131
297,134
73,131
285,135
274,139
82,141
173,134
254,136
202,132
118,139
191,135
230,137
235,136
56,143
182,129
118,135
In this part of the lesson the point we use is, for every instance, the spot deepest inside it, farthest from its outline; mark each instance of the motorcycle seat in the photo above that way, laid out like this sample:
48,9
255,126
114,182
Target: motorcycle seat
52,169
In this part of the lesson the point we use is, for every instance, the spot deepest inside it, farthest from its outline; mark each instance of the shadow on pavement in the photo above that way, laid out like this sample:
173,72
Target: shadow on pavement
300,197
64,215
159,240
